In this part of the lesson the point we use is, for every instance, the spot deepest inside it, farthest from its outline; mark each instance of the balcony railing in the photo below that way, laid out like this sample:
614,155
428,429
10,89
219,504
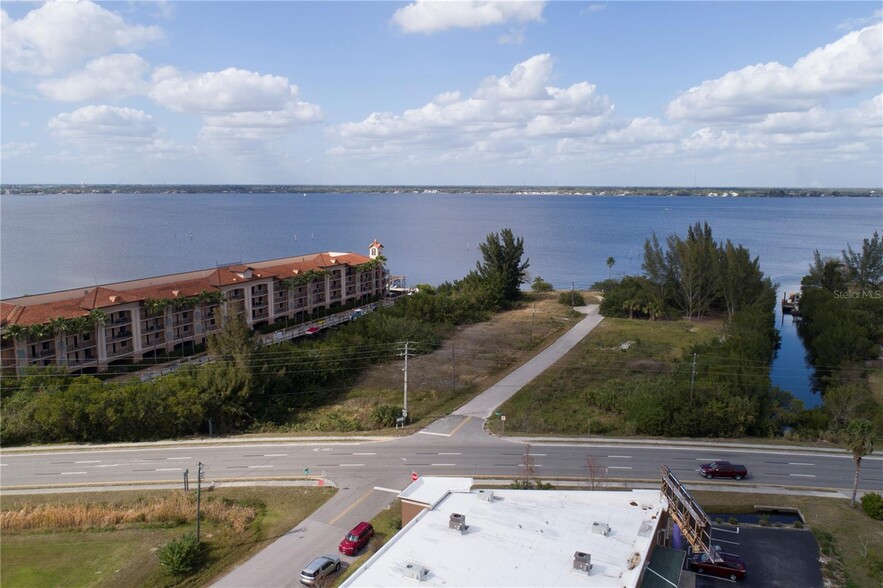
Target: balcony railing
120,351
81,361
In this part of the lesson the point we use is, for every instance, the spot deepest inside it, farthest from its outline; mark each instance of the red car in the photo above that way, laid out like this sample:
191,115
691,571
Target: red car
356,539
726,565
723,469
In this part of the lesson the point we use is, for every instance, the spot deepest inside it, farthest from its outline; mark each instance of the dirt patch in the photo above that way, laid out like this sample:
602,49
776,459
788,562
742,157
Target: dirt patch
648,366
475,353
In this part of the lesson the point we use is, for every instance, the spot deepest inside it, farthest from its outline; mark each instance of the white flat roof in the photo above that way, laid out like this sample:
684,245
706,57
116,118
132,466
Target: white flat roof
430,489
522,538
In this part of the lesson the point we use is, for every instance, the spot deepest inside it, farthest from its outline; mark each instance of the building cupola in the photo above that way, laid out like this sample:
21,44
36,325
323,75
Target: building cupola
375,249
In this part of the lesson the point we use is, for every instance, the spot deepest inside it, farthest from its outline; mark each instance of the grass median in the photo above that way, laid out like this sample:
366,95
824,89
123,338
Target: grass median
106,550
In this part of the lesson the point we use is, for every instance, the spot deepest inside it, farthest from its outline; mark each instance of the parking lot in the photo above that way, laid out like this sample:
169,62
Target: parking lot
774,557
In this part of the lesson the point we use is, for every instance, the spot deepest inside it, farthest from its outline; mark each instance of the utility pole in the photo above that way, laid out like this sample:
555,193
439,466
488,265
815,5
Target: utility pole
198,496
406,353
692,378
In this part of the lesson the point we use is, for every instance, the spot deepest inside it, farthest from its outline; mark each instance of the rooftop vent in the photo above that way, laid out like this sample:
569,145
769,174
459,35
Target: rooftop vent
601,528
486,495
457,522
582,562
415,572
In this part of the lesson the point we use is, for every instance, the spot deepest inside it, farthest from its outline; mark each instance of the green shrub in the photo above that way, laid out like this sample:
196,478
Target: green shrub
826,542
798,524
764,520
385,415
874,564
572,298
180,555
872,505
734,521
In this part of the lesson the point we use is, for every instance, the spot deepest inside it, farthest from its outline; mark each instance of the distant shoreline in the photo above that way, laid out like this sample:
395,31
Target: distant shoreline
707,192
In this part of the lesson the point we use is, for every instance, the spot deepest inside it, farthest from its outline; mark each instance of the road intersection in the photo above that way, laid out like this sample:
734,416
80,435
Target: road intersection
369,471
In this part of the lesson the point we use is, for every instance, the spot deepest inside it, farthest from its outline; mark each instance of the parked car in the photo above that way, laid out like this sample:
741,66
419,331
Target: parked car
726,565
321,567
723,469
356,539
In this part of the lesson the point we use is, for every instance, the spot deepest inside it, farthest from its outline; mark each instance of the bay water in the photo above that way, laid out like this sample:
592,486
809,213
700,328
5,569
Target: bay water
56,242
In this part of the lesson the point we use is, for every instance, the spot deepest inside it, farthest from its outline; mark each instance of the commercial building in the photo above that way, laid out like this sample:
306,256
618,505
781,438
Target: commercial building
91,328
454,535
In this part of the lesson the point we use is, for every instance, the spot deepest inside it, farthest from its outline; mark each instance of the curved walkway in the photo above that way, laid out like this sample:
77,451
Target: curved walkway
483,405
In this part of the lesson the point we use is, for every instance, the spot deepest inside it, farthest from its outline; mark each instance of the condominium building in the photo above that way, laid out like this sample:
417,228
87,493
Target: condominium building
91,328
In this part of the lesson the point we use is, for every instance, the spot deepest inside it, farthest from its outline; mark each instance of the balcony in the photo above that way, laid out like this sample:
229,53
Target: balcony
125,320
42,354
118,337
260,313
82,361
120,350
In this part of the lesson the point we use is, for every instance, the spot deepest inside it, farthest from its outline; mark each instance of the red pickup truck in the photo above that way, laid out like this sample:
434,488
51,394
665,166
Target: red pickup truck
723,469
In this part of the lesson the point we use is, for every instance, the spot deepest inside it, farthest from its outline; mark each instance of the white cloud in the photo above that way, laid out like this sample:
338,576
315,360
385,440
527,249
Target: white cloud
16,149
515,36
855,23
594,7
432,16
242,110
848,65
111,77
510,113
62,34
105,125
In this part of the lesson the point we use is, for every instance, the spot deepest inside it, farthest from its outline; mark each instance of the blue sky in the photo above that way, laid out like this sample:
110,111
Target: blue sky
443,92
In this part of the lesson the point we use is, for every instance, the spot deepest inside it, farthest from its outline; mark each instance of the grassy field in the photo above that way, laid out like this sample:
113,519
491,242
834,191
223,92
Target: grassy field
470,360
846,535
386,524
617,348
125,555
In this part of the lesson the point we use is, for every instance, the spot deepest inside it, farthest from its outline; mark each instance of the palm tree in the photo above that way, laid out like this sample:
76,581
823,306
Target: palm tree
860,436
610,263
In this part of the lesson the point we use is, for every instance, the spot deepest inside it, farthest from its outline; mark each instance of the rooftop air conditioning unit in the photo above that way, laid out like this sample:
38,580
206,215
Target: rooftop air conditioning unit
457,522
415,572
601,528
486,495
582,562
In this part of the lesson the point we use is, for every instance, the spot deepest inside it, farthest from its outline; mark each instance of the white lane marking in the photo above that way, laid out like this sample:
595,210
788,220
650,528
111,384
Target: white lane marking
177,458
706,459
108,465
442,464
538,455
90,461
2,464
351,465
431,433
275,455
536,465
390,490
800,464
450,454
167,470
73,473
619,456
803,475
619,467
260,466
364,454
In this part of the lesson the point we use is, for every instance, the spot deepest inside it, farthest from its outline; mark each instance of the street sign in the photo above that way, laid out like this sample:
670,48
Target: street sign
413,476
502,417
498,413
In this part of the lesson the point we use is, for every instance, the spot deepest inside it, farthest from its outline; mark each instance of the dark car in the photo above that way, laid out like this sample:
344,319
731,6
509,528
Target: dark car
321,567
356,539
723,469
726,565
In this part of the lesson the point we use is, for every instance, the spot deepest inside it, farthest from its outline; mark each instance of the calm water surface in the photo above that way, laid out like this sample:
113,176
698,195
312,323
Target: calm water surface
66,241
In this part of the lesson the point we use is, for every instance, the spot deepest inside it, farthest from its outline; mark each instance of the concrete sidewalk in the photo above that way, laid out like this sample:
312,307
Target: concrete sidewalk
483,405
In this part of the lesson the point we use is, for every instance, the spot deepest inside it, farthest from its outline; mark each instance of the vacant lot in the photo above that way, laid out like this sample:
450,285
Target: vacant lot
125,554
848,539
470,360
555,403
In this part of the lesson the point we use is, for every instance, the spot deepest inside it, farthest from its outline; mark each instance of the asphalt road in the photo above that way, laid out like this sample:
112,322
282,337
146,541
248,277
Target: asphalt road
370,472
